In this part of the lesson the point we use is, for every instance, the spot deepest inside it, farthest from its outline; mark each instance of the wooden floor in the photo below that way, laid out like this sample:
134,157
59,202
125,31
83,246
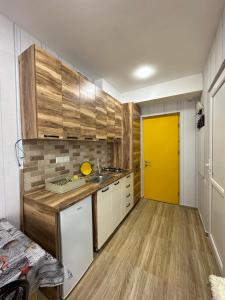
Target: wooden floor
159,252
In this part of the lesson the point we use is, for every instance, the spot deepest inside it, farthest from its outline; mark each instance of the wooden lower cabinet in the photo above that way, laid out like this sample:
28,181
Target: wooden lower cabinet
111,205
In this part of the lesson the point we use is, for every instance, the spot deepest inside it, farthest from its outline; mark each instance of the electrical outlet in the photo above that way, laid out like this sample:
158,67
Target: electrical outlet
66,159
59,159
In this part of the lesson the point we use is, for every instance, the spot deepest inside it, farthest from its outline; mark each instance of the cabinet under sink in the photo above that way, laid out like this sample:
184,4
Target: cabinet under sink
111,205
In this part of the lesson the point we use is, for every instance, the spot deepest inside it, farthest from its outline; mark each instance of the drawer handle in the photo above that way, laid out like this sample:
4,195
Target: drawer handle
128,186
116,183
128,204
128,195
105,190
128,176
79,208
72,137
51,136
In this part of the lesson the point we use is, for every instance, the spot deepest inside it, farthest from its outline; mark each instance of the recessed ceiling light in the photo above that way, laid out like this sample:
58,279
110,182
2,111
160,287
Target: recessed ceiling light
144,72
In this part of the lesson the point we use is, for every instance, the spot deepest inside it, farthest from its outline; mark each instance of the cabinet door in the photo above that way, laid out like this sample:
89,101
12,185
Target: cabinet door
87,109
76,241
116,204
127,198
104,215
110,117
101,115
118,120
71,103
48,95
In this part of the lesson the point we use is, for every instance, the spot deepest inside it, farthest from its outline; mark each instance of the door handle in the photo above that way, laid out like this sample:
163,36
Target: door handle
148,163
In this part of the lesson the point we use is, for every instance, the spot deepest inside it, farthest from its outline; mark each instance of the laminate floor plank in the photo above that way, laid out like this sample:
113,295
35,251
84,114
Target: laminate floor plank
160,252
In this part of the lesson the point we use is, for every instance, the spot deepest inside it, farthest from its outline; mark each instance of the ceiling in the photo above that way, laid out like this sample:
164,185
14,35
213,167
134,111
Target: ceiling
110,38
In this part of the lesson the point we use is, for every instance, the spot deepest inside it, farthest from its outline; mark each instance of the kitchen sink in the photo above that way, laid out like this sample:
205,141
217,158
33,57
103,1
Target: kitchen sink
99,178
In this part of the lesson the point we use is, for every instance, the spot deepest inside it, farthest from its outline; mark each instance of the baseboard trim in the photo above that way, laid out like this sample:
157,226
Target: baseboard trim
201,218
216,253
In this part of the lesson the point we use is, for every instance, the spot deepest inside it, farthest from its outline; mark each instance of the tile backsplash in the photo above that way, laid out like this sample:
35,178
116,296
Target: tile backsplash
40,159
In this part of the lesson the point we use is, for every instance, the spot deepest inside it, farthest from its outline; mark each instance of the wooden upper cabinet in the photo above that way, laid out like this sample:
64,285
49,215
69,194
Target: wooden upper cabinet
87,109
110,117
41,94
101,114
118,119
49,95
71,103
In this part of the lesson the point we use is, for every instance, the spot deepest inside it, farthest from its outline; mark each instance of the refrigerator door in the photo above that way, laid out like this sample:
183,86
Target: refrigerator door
76,241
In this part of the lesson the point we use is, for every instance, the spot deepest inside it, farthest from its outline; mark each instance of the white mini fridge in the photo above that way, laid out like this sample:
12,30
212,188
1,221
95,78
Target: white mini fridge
76,241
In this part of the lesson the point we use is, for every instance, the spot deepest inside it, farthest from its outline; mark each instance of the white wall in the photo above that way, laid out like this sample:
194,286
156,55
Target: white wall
187,143
13,41
188,84
214,62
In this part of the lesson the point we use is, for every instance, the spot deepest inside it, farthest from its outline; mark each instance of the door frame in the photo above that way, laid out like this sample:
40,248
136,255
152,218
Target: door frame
212,92
146,116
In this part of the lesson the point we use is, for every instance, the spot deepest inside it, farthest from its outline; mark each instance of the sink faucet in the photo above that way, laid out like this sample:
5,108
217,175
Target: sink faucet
98,166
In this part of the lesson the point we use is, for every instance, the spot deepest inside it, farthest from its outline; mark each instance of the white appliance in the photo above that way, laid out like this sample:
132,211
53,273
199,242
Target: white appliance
76,241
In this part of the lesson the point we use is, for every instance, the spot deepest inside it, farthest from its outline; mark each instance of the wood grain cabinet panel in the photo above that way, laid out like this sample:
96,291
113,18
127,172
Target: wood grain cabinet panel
49,95
40,94
71,103
131,144
110,117
101,114
87,109
118,119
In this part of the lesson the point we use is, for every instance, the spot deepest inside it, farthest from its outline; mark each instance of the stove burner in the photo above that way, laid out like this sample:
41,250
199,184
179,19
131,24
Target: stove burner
112,169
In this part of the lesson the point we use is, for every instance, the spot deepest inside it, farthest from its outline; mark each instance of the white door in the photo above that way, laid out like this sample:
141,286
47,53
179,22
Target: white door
76,241
116,204
217,169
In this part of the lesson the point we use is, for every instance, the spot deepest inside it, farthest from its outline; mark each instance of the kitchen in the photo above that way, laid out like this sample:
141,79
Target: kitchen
81,168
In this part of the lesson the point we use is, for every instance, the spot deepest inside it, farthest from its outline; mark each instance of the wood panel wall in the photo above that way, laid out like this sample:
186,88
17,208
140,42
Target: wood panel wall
131,144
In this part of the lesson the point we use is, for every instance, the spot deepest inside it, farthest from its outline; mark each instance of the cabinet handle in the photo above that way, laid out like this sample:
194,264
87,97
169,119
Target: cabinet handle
72,137
128,195
102,139
79,208
128,186
51,136
105,190
88,138
128,176
128,204
116,183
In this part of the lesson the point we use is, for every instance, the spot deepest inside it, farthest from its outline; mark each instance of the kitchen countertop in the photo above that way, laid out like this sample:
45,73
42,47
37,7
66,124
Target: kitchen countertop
57,202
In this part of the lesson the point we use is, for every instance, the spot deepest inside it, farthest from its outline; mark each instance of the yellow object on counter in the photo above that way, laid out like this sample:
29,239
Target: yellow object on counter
86,168
75,177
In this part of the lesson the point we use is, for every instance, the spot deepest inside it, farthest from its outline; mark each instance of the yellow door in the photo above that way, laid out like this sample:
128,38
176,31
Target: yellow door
161,158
